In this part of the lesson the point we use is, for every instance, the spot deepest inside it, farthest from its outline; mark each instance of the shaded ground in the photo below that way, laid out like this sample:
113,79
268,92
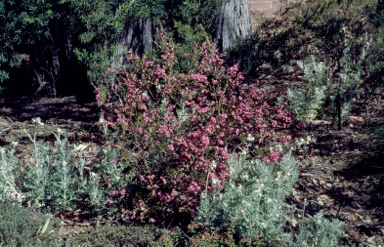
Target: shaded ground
78,120
341,176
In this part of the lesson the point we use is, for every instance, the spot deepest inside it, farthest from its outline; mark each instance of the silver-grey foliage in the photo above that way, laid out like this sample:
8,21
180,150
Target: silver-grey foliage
9,170
55,178
320,232
252,200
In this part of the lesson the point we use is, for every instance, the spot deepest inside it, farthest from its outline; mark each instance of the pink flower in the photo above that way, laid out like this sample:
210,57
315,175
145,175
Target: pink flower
163,179
152,220
114,192
285,139
110,70
274,156
266,160
171,147
142,178
217,112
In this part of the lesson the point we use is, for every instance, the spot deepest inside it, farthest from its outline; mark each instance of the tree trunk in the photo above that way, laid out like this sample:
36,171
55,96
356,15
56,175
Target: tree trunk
138,37
46,66
233,22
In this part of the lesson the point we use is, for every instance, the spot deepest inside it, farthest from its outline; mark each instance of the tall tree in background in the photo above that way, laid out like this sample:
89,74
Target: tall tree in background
63,42
233,22
29,28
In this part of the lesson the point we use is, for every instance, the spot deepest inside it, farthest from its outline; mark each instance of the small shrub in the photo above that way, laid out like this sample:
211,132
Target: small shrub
251,204
306,102
321,232
9,171
50,178
252,199
56,180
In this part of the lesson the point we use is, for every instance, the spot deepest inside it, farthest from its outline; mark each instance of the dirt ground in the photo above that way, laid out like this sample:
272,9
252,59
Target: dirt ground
341,173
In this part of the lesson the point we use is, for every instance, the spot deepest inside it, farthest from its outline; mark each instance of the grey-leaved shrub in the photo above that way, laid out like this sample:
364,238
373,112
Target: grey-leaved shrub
325,82
319,232
9,171
56,179
306,102
252,199
37,173
62,189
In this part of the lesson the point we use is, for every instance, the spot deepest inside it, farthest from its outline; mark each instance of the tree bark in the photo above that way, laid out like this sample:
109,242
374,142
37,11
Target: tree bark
46,66
233,22
138,37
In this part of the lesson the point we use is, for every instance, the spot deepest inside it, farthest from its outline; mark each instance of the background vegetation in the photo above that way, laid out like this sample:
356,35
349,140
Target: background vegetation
62,42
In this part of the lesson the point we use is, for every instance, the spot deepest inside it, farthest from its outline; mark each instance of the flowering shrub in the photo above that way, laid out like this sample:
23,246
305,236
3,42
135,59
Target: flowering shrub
179,117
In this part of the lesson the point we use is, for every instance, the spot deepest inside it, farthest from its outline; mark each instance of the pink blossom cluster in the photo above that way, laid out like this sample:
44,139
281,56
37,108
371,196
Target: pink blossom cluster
144,106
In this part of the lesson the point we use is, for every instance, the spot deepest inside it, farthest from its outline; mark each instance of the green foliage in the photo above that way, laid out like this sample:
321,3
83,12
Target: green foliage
56,33
101,25
22,25
23,227
196,14
375,64
337,44
252,200
119,236
206,236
